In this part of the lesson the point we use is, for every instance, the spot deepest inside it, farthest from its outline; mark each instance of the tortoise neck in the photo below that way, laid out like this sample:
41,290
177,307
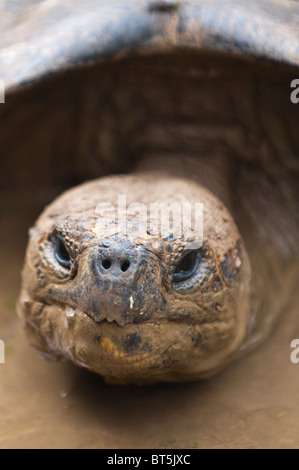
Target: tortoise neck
209,171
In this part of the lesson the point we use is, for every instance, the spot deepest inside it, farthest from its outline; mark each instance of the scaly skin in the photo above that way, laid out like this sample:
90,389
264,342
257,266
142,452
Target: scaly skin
139,325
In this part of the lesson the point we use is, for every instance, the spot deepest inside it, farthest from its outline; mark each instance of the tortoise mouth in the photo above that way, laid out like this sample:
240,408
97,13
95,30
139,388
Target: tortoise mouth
134,353
114,350
126,354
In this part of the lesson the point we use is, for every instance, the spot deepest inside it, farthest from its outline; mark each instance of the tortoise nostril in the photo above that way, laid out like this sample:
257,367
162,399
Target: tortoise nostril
106,263
125,265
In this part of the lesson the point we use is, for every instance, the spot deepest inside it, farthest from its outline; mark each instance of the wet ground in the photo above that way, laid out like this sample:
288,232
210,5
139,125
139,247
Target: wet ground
252,404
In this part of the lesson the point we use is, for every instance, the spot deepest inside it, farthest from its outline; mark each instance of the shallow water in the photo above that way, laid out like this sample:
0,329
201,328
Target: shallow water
252,404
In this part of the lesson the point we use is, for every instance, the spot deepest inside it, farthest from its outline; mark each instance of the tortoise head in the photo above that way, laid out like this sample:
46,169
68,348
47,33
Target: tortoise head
138,292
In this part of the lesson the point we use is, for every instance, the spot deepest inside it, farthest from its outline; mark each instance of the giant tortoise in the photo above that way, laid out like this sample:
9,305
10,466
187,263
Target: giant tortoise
161,104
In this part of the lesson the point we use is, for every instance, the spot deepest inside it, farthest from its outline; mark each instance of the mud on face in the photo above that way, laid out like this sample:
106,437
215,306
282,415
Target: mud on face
135,309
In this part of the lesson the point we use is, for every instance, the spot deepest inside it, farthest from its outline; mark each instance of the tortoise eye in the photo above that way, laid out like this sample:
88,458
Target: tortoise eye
61,252
187,266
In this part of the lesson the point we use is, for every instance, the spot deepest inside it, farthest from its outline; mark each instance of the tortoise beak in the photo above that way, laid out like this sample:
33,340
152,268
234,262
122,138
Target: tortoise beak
119,283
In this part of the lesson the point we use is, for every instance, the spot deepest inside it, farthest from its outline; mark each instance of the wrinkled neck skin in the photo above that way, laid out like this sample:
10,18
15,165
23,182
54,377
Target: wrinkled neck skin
212,173
265,227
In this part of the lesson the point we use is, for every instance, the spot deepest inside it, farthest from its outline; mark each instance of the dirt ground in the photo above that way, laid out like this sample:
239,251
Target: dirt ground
252,404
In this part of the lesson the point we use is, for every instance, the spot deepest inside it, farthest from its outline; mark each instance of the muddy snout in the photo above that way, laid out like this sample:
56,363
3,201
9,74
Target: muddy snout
122,284
116,262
